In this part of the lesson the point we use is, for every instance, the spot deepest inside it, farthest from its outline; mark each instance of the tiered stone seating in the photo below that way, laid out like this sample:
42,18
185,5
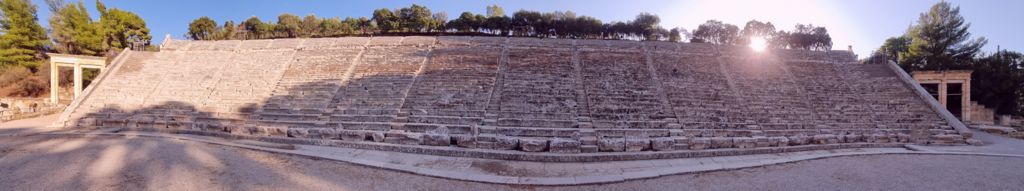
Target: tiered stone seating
248,81
371,98
191,79
770,97
697,90
538,88
126,90
838,104
527,94
892,103
620,91
308,85
454,88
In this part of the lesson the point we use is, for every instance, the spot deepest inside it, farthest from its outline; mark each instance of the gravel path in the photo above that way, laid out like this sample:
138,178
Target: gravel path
120,163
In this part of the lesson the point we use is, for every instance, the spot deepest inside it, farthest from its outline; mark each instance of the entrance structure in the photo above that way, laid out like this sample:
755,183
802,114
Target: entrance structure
75,61
952,88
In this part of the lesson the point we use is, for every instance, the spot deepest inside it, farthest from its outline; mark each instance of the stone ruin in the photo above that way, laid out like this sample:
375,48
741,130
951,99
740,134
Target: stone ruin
515,98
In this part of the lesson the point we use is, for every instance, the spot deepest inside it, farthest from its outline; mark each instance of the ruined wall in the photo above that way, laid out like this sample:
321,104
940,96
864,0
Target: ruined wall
525,94
21,108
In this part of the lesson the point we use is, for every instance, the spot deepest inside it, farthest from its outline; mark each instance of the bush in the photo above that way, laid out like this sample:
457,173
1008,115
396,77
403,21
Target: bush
30,87
11,75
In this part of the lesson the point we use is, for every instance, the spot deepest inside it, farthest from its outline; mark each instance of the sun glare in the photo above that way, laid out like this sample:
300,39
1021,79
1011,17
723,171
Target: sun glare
757,43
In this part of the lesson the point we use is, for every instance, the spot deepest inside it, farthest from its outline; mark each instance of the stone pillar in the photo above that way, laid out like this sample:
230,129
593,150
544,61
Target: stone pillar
78,80
54,81
965,100
942,92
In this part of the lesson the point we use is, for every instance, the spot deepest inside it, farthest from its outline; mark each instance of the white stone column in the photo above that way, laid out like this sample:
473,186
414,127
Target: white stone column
54,81
942,92
78,80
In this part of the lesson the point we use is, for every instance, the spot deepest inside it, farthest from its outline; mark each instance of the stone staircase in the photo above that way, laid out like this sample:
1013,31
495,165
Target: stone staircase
525,94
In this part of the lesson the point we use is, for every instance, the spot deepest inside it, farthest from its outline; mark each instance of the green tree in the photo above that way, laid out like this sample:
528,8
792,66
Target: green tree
228,31
716,32
589,27
122,29
754,28
998,81
333,27
646,26
495,11
386,20
464,23
202,28
415,18
310,26
439,20
940,40
892,48
73,30
498,25
809,37
288,25
256,29
22,39
674,35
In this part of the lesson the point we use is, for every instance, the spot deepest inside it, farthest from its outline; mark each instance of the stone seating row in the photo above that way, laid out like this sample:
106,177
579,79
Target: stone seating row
417,90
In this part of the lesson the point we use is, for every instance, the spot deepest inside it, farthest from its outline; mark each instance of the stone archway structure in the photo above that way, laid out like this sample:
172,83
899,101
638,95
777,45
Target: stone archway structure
78,62
952,88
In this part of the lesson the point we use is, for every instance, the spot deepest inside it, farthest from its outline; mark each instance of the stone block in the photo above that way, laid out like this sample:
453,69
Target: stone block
721,142
376,135
779,141
946,139
700,143
322,133
404,138
588,140
276,130
560,145
975,142
799,140
588,148
298,133
466,141
877,138
608,144
825,139
663,144
354,135
853,138
434,139
761,141
903,138
744,142
533,144
637,144
505,143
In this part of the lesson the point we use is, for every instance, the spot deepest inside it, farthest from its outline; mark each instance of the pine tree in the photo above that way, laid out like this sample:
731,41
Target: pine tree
940,40
122,29
73,29
22,39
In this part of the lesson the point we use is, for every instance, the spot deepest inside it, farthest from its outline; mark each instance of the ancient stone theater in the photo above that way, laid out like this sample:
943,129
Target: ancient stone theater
516,98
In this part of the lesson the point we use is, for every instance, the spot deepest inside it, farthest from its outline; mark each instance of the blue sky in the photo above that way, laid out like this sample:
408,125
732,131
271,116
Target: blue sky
863,24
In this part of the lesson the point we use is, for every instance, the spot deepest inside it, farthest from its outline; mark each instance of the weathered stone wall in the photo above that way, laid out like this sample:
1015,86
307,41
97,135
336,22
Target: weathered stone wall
21,108
524,94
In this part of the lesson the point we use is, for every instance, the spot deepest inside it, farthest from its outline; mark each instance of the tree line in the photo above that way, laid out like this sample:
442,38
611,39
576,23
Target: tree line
941,40
24,42
522,23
